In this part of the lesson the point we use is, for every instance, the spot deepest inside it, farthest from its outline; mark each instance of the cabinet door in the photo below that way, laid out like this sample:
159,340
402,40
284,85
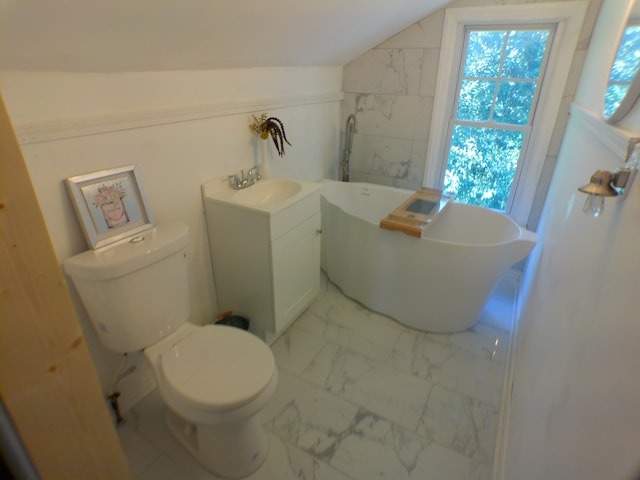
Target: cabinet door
296,270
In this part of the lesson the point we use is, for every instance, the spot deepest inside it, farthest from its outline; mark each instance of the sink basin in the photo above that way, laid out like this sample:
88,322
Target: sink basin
268,191
266,197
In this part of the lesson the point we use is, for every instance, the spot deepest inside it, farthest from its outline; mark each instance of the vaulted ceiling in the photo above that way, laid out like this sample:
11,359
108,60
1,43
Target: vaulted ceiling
151,35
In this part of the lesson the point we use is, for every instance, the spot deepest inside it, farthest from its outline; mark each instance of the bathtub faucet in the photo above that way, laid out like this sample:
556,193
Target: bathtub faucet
350,128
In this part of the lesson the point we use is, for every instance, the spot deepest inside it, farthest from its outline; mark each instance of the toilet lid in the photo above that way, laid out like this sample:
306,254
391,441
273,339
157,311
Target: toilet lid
218,367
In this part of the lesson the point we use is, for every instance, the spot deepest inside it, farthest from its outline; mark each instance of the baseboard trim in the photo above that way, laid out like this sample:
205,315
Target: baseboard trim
499,459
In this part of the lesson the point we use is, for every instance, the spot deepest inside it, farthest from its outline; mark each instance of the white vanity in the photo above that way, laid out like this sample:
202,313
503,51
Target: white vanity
265,249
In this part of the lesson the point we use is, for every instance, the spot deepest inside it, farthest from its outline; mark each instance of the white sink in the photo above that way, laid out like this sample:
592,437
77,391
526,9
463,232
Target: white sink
269,191
266,197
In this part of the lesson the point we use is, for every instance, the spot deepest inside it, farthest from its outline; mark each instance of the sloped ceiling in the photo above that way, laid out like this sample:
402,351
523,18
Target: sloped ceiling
152,35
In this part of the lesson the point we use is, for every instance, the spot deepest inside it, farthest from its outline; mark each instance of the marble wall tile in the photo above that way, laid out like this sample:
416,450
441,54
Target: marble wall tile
460,423
348,107
385,70
390,393
401,160
429,73
370,178
396,116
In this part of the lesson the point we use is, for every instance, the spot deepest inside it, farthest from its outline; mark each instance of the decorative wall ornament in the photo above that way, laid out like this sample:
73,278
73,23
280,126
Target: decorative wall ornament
265,126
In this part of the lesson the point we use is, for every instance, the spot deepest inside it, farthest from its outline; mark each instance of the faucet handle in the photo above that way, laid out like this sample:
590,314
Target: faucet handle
235,182
253,175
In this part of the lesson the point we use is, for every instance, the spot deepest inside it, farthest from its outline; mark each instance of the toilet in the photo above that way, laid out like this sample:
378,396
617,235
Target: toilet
214,379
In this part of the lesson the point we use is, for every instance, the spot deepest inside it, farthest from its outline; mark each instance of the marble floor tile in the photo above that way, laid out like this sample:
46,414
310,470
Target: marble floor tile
140,453
485,340
460,423
307,467
362,397
388,392
165,468
307,416
378,448
360,331
475,373
295,349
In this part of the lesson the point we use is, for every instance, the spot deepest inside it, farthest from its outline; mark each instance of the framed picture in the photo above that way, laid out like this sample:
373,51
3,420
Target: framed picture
110,205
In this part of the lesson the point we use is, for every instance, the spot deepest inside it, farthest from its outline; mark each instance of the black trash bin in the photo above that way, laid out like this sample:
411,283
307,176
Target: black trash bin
234,321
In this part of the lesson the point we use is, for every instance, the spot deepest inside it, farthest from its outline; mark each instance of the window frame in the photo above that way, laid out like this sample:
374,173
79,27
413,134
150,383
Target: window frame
567,18
526,128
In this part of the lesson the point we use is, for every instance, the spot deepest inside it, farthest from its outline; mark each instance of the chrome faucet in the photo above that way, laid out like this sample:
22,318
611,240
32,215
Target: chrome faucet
238,182
253,175
350,128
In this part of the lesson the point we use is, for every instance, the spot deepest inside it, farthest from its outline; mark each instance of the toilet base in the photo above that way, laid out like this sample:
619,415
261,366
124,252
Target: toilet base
232,450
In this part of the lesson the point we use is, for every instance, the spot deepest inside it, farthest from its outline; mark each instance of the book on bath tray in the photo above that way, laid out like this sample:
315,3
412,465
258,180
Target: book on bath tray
417,213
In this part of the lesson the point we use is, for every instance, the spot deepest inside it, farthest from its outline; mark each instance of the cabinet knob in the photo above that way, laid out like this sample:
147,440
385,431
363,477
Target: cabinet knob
318,231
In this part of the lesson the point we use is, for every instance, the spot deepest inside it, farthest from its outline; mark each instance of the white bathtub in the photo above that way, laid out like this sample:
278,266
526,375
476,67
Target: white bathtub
437,283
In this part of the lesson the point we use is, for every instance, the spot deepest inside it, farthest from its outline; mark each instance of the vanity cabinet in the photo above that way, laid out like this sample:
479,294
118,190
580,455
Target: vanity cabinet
266,264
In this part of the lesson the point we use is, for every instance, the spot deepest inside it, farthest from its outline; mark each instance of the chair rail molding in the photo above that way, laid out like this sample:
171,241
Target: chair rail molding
46,131
614,138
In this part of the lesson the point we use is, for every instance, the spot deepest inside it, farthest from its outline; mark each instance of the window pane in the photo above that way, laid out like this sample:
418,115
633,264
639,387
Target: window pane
613,97
475,99
483,54
525,52
627,59
514,102
482,164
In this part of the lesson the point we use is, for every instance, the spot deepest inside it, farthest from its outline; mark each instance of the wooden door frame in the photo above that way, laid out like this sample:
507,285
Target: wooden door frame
47,381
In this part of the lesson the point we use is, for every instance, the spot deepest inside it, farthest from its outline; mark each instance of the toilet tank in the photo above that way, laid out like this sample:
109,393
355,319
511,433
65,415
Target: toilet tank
135,291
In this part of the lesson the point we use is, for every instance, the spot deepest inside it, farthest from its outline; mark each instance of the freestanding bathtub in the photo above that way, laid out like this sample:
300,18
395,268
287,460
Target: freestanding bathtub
437,283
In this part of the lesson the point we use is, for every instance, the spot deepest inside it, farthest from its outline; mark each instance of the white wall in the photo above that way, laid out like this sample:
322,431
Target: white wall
575,409
153,120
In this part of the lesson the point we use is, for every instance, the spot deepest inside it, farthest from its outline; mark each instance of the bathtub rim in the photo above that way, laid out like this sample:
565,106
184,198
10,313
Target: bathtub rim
522,233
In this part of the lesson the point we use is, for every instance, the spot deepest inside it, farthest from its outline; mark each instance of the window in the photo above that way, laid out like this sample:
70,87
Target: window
624,68
492,124
499,78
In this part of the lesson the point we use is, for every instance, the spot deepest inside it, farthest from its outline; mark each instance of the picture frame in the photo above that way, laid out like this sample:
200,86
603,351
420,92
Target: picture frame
110,205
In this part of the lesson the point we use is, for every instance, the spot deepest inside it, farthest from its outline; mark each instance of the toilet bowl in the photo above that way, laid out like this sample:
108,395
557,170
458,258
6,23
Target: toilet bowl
215,395
214,379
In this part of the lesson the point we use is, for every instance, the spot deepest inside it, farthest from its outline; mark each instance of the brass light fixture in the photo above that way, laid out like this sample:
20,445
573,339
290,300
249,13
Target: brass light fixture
610,184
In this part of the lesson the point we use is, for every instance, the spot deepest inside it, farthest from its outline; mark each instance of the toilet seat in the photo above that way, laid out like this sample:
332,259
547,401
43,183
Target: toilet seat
219,368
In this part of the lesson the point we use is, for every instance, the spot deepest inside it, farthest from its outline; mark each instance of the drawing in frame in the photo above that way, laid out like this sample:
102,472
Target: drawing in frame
110,205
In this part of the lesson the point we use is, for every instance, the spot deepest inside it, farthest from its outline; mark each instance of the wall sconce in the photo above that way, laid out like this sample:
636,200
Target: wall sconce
610,184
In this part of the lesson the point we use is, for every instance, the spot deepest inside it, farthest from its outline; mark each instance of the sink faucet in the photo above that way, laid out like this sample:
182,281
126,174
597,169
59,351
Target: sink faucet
253,175
238,182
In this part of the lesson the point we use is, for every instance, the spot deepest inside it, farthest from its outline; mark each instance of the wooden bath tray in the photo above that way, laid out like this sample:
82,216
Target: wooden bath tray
416,213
